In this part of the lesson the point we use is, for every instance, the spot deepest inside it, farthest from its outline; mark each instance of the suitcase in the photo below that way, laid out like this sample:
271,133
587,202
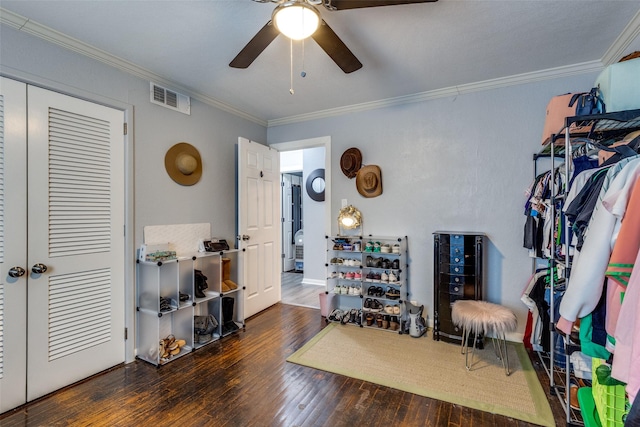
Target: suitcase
619,85
557,109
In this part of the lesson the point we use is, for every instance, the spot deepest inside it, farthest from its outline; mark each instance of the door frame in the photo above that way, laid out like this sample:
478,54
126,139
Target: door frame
129,219
323,141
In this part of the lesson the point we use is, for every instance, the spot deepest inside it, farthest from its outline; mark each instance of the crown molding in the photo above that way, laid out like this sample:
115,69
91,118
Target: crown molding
628,35
21,23
519,79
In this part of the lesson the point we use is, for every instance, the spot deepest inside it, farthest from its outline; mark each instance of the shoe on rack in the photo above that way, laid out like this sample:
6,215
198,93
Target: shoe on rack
395,249
385,248
376,277
384,277
357,275
376,247
393,293
395,264
396,309
369,318
573,395
344,290
335,315
385,322
337,289
393,324
368,247
379,291
376,306
345,318
379,319
369,277
388,309
367,304
392,277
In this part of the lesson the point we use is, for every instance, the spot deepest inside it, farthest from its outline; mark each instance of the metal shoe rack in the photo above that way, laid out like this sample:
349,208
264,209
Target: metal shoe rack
344,260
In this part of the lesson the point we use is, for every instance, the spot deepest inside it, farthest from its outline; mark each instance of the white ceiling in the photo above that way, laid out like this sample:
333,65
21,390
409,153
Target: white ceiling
408,52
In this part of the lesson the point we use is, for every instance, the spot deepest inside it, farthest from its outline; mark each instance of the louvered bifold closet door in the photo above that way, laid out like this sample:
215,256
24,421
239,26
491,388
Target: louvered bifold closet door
13,243
76,230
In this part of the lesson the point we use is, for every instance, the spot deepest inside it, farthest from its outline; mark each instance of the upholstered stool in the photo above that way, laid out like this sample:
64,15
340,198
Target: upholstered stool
477,317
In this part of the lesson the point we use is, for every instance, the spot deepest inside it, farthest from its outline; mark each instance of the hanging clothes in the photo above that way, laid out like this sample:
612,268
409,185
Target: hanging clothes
590,264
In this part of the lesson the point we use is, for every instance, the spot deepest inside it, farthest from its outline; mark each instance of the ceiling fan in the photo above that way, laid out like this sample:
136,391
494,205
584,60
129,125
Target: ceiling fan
323,35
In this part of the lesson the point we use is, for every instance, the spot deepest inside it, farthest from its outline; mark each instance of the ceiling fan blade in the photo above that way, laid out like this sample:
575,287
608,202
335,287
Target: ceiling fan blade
256,45
336,49
356,4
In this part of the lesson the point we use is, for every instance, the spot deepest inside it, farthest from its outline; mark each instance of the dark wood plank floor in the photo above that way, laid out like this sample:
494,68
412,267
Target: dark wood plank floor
243,380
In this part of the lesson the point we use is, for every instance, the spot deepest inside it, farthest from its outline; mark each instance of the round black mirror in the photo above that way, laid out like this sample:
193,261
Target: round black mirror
315,185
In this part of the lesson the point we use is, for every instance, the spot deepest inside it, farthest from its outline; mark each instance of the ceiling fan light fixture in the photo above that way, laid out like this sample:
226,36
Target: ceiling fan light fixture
296,20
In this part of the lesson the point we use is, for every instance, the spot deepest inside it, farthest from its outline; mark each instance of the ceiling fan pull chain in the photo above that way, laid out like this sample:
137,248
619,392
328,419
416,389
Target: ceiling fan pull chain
291,91
303,73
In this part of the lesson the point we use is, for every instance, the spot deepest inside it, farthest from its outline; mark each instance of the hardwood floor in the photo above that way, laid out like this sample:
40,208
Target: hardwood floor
243,380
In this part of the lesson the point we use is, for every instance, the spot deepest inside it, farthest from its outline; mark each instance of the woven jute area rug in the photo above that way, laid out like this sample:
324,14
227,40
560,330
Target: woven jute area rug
431,368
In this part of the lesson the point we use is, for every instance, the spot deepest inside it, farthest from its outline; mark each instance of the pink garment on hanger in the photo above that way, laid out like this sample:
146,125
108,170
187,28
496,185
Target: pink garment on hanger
626,360
623,256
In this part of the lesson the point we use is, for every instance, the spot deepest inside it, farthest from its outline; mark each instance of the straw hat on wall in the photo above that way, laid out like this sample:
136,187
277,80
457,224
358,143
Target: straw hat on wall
183,164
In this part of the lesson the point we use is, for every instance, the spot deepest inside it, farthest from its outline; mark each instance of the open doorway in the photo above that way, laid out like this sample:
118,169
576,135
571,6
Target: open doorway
305,221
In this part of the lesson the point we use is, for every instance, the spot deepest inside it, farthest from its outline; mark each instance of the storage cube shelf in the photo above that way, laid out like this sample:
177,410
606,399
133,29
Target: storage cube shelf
168,299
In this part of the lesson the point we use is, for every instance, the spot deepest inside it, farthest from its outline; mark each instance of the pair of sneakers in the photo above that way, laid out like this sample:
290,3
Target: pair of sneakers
388,277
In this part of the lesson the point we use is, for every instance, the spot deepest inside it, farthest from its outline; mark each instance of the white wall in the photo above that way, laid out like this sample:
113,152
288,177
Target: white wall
291,161
459,163
313,220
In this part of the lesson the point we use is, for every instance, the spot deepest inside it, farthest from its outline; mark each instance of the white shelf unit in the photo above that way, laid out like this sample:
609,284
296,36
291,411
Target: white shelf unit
171,278
373,266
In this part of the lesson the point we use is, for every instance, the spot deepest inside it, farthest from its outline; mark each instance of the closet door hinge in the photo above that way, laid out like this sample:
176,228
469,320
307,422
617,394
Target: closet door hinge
124,130
126,334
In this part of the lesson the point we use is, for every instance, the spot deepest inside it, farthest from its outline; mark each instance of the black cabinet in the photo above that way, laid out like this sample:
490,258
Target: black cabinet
458,274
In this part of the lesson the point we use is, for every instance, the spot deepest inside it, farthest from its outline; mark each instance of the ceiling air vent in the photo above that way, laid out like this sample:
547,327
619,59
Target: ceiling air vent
170,99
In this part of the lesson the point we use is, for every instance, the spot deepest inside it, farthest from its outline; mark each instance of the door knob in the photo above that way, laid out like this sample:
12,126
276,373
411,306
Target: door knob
38,268
244,237
16,272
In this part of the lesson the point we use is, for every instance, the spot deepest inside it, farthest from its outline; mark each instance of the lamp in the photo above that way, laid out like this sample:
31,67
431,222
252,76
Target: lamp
349,218
296,19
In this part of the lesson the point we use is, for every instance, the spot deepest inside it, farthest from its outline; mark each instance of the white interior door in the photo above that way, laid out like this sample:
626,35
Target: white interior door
76,229
13,243
258,224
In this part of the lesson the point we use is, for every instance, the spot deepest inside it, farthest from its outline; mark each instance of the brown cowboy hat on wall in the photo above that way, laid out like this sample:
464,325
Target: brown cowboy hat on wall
369,181
183,164
350,162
